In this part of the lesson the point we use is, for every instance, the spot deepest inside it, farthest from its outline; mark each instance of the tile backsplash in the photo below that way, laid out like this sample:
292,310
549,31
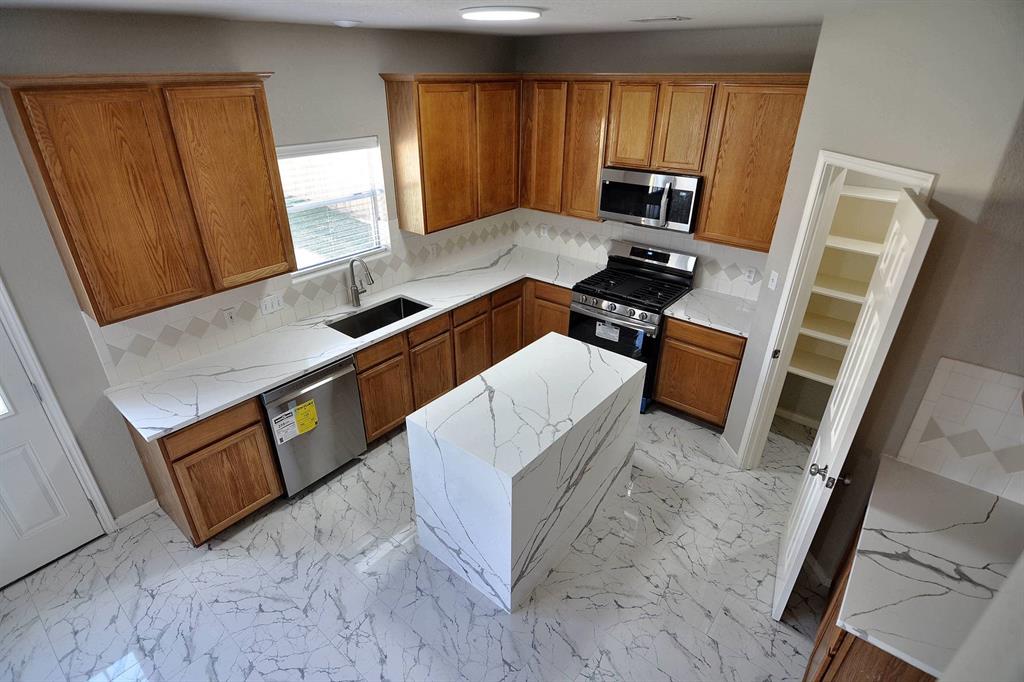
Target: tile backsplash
146,344
970,428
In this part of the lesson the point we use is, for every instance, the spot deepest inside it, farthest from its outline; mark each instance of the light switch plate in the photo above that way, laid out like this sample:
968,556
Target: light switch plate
773,280
271,303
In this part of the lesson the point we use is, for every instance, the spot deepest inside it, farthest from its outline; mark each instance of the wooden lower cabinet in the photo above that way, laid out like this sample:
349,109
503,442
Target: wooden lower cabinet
546,309
697,370
506,329
432,369
386,395
211,475
840,656
228,480
549,317
472,347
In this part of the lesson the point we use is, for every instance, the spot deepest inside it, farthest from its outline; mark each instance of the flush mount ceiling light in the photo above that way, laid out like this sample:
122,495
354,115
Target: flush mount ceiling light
347,23
501,13
651,20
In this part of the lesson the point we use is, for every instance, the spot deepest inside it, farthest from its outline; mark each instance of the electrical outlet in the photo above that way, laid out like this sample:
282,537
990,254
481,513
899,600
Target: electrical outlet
229,314
271,303
773,280
749,275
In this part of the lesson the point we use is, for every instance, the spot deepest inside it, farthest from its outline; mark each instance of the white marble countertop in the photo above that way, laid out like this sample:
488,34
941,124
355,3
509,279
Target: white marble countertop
930,558
513,412
708,308
171,399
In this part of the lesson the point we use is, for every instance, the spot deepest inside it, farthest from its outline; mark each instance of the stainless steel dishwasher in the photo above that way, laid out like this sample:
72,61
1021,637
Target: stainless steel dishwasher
316,423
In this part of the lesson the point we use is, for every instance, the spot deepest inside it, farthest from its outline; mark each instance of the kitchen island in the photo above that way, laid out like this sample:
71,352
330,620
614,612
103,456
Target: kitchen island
509,467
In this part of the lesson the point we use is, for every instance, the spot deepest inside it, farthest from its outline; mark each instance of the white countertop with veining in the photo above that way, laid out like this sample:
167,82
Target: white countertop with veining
171,399
931,556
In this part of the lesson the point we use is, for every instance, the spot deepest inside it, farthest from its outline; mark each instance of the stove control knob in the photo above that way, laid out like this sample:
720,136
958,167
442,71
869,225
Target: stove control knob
583,299
643,316
632,313
612,307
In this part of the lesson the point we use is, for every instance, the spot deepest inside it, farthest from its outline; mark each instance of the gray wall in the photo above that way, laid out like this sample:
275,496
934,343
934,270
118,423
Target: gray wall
940,91
783,49
325,87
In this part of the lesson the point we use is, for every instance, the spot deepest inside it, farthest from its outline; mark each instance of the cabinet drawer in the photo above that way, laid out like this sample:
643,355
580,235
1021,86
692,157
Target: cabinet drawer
694,334
211,429
379,352
470,310
506,294
552,293
429,329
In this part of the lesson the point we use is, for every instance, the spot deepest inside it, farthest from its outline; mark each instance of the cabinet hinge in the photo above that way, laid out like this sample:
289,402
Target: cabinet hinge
776,353
92,504
35,389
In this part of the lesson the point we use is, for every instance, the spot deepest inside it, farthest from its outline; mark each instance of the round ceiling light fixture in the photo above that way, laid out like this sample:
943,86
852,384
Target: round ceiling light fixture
501,13
347,23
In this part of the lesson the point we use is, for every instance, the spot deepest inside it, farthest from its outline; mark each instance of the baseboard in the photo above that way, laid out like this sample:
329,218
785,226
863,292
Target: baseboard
729,451
137,513
800,419
817,571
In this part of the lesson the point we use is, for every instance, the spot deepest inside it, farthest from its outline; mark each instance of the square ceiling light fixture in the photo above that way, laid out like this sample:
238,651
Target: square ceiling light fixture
501,13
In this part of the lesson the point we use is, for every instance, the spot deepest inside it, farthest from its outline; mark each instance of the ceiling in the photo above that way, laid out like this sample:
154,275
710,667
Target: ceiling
560,16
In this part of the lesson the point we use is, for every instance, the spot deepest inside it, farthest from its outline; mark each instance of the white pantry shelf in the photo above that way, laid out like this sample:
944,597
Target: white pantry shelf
843,288
873,193
827,329
815,367
852,245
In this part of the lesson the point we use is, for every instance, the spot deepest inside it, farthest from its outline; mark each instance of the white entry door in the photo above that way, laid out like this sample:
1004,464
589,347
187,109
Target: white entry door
909,235
44,512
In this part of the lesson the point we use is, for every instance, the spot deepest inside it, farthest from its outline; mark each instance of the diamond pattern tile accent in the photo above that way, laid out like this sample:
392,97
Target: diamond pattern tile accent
219,320
197,326
732,272
1011,459
311,290
169,335
115,353
141,345
711,266
932,431
291,296
968,443
247,311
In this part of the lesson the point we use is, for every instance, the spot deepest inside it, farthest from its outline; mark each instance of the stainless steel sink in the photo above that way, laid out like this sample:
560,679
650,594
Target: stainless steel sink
374,318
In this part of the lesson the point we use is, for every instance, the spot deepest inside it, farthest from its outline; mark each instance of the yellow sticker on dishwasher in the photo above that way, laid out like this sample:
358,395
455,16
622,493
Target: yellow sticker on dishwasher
305,417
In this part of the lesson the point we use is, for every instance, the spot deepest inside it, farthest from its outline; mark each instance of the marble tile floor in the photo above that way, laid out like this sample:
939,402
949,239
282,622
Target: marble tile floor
332,586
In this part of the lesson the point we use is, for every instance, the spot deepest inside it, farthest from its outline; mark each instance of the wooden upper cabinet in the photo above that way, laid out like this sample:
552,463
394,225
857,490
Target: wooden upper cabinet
682,124
634,107
751,142
227,152
448,148
114,196
544,108
497,146
584,148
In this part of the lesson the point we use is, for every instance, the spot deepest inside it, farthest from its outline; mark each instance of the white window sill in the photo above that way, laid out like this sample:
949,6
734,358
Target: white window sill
338,266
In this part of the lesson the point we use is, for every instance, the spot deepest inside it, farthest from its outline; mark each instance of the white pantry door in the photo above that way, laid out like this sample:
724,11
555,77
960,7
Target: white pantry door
910,233
44,512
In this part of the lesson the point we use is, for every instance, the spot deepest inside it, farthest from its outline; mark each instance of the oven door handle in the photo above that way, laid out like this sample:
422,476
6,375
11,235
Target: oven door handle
646,327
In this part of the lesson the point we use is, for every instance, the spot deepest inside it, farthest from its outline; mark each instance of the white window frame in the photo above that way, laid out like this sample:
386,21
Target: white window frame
346,145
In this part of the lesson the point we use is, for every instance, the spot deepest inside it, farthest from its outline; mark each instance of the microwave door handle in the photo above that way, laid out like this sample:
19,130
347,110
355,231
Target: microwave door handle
663,209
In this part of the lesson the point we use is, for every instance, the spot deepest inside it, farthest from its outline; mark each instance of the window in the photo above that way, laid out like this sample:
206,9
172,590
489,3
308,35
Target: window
334,193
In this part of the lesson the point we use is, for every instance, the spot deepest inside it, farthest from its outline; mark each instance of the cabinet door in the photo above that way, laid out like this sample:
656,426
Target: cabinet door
228,480
549,317
448,149
227,150
497,147
386,394
432,369
506,329
634,107
129,239
683,112
752,135
696,380
472,348
584,148
544,106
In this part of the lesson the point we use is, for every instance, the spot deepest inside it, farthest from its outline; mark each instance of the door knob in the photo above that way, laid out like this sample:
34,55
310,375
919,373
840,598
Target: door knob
815,470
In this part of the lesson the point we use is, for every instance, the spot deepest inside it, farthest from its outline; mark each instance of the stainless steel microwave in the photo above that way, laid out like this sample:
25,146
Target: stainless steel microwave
663,201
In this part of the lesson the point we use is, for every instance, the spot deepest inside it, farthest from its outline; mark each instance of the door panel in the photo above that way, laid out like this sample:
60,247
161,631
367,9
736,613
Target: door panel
227,151
506,329
109,163
683,112
909,235
753,133
448,148
497,148
544,105
549,317
386,394
44,512
696,380
472,348
634,107
588,121
432,368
